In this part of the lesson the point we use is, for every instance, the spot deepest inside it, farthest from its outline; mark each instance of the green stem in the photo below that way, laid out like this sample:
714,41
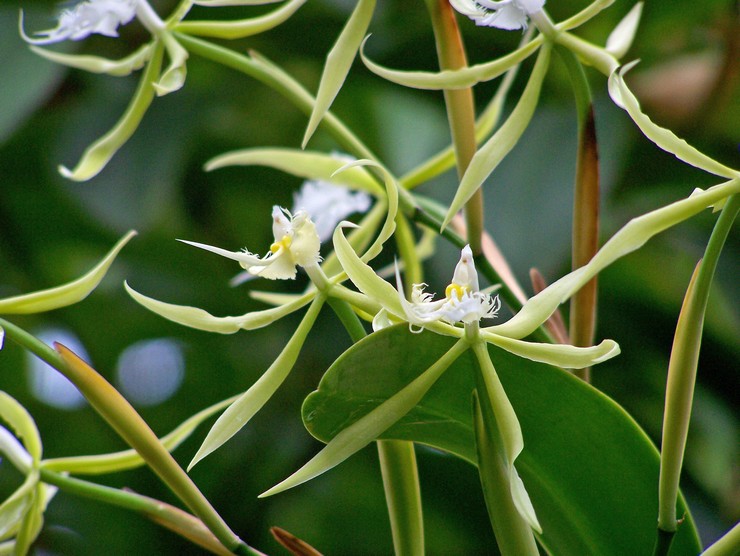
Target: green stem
397,466
663,542
460,110
585,226
264,71
682,368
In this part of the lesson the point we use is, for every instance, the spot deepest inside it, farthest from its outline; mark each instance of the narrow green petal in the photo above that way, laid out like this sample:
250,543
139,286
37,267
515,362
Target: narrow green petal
312,165
630,238
338,63
33,520
366,429
203,320
173,77
560,355
97,155
509,430
22,424
621,38
250,402
241,28
500,144
130,459
453,79
587,13
15,506
67,294
211,3
98,64
359,238
364,277
663,138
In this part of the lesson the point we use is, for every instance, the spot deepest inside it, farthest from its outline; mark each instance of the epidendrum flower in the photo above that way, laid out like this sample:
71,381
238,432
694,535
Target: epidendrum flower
296,244
86,18
462,302
504,14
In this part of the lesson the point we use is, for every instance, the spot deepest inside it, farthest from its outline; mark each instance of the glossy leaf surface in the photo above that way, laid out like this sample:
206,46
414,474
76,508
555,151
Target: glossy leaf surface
590,470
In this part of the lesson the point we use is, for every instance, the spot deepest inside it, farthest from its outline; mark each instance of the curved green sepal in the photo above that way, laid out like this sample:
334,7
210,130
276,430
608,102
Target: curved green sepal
620,39
173,78
500,144
338,62
98,64
594,493
312,165
203,320
240,28
663,138
97,155
250,402
67,294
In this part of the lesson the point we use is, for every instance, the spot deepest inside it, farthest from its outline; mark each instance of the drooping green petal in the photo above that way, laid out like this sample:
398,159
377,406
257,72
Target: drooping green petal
620,39
67,294
359,238
510,431
250,402
663,138
130,459
500,144
364,277
559,355
241,28
97,155
338,63
16,506
367,428
453,79
631,237
203,320
312,165
98,64
30,526
22,424
173,78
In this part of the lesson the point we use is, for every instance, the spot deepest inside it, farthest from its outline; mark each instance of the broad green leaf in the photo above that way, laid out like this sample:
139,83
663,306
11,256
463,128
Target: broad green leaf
369,426
129,459
250,402
500,144
630,238
311,165
663,138
591,472
67,294
338,63
203,320
97,155
98,64
241,28
621,38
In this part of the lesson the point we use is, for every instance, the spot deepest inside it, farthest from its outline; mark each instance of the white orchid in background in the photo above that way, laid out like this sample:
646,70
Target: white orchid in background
96,16
462,302
329,204
504,14
296,244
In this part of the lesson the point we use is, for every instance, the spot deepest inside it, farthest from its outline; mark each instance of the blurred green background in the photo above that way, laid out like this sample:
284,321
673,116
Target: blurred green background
52,230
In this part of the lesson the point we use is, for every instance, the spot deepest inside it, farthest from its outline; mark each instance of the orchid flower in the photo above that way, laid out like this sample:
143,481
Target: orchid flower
104,17
462,302
296,244
329,204
505,14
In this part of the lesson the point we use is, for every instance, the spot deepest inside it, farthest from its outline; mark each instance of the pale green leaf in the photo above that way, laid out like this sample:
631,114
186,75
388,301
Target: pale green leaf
338,63
203,320
130,459
620,39
630,238
240,28
97,155
98,64
500,144
67,294
250,402
312,165
367,428
663,138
